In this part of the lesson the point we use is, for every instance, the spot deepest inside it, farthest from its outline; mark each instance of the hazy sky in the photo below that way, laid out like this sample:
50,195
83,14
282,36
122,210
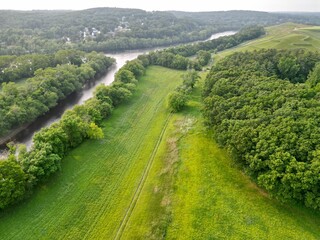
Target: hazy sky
188,5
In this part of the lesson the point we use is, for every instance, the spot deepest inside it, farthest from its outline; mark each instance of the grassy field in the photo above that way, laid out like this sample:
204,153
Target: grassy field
195,191
284,36
91,195
158,175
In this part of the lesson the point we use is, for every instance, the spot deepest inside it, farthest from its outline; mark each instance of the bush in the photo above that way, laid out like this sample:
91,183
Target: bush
176,101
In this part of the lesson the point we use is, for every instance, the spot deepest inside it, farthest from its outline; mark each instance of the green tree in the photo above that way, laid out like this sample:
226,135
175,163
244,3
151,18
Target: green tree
176,101
314,76
288,68
12,183
94,132
41,162
124,76
190,78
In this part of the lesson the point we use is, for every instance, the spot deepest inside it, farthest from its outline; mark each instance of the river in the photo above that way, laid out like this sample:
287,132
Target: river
25,136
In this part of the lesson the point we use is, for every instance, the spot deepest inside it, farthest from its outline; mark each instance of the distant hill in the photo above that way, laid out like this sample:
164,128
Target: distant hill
239,18
116,29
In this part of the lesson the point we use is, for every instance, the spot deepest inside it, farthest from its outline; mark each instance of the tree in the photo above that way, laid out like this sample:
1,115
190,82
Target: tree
288,68
203,57
124,76
74,127
314,76
118,94
190,78
136,67
94,132
101,92
176,101
41,162
55,137
12,182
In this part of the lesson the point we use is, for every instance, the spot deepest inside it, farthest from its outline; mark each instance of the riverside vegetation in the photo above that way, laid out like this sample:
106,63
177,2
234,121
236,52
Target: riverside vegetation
51,144
50,79
116,29
176,149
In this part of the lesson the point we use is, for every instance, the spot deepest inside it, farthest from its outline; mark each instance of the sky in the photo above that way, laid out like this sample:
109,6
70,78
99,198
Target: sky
162,5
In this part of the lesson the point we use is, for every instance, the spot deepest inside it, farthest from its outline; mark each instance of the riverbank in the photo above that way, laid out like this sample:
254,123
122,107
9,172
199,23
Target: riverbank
24,134
154,174
84,192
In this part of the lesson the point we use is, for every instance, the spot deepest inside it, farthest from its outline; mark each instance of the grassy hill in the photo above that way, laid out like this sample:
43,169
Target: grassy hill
284,36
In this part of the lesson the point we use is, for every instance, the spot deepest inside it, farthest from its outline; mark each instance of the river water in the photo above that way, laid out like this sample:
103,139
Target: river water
25,136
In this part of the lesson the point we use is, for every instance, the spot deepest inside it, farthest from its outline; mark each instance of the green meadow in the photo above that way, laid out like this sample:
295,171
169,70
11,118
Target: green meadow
283,36
196,191
157,175
91,195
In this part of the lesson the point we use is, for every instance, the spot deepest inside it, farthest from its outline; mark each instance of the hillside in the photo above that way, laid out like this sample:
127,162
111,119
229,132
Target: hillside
283,36
118,29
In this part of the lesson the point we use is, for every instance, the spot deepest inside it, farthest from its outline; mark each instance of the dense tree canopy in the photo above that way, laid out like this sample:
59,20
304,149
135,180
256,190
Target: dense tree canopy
12,182
114,29
264,107
51,144
20,174
22,104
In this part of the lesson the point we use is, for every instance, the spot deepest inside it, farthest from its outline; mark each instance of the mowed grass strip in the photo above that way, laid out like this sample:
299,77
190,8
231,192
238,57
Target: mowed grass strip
90,196
196,191
283,36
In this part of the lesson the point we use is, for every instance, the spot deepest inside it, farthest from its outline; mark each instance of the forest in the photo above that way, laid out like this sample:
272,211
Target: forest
22,173
47,79
264,107
179,57
116,29
47,86
203,139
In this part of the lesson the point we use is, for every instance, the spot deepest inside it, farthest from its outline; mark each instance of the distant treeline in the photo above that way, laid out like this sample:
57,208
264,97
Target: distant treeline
222,43
116,29
21,173
237,19
177,57
264,106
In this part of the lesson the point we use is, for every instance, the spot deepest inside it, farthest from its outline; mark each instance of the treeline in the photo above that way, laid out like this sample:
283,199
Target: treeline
264,107
20,104
14,68
99,29
177,57
20,174
219,44
122,43
237,19
177,99
116,29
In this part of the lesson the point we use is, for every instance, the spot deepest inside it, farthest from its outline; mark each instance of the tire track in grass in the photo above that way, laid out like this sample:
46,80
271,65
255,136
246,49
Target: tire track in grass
136,195
111,191
126,165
